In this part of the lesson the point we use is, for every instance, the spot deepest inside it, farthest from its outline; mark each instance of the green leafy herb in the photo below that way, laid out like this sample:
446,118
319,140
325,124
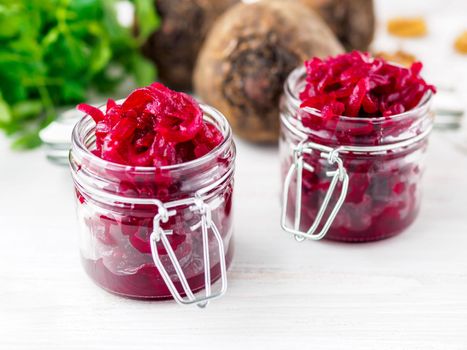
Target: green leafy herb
52,52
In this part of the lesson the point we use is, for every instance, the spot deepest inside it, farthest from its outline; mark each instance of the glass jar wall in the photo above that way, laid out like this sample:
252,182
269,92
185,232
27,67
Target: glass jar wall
117,206
382,158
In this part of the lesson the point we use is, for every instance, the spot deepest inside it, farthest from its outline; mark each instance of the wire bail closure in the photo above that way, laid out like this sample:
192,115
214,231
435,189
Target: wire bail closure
339,174
159,236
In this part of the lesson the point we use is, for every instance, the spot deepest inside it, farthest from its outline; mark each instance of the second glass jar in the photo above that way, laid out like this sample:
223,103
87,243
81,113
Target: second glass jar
348,178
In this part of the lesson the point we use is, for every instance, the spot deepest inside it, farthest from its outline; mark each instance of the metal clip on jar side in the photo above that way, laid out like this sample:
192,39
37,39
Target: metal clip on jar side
159,236
339,174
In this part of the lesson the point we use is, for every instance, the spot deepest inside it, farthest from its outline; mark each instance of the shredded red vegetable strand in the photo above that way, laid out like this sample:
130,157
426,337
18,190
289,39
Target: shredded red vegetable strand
154,126
357,85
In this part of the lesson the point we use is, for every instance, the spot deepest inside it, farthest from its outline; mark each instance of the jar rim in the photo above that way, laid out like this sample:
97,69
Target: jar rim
291,92
78,144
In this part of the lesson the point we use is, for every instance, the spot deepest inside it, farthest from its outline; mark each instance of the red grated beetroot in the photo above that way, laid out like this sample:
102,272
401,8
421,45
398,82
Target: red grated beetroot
157,127
154,126
358,85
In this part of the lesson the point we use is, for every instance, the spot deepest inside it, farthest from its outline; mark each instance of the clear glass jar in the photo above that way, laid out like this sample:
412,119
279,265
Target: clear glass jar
348,178
156,233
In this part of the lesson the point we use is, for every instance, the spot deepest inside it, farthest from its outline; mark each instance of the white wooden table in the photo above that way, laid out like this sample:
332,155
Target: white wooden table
408,292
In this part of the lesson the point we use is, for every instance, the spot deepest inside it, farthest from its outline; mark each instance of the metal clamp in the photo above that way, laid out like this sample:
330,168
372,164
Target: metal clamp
159,235
339,174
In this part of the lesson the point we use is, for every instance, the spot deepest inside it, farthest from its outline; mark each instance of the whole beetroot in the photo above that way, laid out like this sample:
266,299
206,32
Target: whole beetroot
247,56
352,21
175,45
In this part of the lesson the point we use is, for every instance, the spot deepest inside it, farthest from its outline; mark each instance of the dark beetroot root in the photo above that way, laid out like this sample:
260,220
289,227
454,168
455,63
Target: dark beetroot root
248,55
352,21
174,47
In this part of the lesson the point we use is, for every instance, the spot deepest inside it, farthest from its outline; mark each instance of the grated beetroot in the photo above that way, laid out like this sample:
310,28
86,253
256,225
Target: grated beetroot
358,85
154,126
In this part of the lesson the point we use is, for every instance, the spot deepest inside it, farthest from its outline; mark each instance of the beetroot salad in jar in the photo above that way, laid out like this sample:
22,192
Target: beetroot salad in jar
153,176
354,131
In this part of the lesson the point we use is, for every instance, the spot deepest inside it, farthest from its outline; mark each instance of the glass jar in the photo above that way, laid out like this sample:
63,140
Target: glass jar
156,233
348,178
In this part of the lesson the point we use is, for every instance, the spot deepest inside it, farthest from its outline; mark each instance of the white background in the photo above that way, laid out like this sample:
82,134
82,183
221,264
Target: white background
408,292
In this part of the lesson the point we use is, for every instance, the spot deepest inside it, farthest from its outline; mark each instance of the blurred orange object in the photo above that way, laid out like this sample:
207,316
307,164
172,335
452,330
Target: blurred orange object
402,57
407,27
461,43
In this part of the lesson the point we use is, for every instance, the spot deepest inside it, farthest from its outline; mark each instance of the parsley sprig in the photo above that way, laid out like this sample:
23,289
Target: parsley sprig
53,52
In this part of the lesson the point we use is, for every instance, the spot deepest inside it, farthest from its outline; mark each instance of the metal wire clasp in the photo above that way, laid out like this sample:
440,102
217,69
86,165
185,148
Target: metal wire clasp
159,235
298,166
